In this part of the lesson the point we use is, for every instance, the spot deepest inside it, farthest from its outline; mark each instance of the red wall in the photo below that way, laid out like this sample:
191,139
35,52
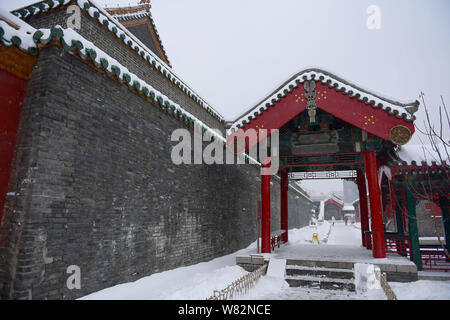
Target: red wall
12,91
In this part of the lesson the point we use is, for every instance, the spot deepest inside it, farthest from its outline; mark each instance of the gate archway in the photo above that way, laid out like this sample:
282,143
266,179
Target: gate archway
327,124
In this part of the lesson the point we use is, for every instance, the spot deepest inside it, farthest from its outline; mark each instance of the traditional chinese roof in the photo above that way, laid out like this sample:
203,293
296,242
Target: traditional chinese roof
425,171
422,156
400,112
120,31
140,15
334,199
348,207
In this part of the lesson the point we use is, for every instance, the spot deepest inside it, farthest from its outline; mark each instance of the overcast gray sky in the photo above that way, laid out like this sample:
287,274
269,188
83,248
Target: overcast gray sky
235,52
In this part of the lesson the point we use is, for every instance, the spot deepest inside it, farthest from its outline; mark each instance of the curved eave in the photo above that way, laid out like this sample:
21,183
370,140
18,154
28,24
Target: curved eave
394,108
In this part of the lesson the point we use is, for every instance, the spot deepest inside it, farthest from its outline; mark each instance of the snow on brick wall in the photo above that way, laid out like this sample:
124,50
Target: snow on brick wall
97,189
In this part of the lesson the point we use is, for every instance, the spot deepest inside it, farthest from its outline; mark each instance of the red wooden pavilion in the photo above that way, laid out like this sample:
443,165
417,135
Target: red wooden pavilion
326,123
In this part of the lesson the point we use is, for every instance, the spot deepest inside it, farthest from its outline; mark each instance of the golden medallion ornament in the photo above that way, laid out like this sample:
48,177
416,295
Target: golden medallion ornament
400,135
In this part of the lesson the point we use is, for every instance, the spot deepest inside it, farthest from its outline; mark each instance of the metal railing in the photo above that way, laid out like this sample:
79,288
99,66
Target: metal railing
433,258
276,238
398,244
240,286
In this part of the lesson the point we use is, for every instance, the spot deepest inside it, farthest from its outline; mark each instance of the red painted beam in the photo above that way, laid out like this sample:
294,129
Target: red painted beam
12,90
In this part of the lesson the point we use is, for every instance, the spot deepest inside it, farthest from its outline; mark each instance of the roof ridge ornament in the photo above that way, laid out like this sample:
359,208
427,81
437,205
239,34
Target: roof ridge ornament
413,109
146,4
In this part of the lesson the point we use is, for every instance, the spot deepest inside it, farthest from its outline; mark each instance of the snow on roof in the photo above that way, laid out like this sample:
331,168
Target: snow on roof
21,37
336,198
129,16
418,154
297,188
403,110
348,207
142,13
113,25
5,15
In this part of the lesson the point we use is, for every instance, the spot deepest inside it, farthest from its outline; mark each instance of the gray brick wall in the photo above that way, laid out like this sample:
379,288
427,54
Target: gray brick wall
142,33
95,187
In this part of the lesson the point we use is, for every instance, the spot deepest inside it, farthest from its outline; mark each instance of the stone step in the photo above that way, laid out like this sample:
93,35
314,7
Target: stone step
321,283
434,275
294,270
320,263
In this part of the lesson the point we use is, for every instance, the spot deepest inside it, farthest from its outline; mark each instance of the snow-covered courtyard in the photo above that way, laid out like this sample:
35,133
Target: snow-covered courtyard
197,282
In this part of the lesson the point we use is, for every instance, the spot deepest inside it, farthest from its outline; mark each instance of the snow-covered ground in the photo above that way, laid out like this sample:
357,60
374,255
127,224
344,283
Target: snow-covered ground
200,280
196,282
422,290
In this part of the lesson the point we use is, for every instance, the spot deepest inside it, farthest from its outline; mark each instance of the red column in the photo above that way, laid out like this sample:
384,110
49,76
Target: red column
363,205
284,185
265,201
379,245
